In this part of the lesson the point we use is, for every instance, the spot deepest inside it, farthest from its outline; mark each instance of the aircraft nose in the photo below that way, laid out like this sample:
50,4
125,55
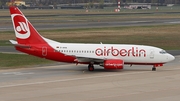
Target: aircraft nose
170,57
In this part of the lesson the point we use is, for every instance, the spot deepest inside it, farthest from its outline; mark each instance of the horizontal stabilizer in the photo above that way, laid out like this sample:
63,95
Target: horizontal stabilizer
15,43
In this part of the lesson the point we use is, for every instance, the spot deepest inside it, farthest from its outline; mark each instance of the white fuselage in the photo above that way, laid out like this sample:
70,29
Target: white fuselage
129,53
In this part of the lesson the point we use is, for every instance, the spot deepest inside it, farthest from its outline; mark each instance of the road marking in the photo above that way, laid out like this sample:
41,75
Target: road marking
172,69
17,73
12,52
66,80
138,21
174,22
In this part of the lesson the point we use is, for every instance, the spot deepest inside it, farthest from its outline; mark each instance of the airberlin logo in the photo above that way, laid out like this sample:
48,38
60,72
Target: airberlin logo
20,26
133,51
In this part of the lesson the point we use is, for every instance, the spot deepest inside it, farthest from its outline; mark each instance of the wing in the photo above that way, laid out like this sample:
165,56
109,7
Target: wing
91,59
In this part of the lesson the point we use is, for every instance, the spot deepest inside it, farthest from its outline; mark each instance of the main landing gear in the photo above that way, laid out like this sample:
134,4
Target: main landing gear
154,68
91,67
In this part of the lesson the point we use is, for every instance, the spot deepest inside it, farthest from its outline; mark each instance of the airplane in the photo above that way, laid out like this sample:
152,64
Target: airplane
109,56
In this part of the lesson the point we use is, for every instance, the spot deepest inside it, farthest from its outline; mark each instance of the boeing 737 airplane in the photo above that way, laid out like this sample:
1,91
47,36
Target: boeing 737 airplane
110,56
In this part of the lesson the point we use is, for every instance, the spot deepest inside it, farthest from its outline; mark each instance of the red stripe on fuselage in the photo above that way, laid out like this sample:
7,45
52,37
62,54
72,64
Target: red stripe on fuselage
51,54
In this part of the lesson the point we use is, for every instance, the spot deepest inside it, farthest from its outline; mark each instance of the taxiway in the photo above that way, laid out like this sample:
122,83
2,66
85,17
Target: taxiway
69,82
97,24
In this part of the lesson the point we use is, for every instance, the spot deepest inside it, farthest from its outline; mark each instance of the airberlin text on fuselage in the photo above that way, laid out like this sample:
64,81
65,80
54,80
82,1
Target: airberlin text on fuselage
134,51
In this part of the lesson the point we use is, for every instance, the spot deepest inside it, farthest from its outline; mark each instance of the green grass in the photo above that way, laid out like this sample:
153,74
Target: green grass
5,43
20,61
163,36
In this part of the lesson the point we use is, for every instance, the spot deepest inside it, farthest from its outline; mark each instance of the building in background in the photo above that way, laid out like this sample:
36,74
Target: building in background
87,4
17,3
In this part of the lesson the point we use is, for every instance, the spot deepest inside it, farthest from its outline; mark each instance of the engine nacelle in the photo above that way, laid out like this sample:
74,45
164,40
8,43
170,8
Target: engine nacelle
113,64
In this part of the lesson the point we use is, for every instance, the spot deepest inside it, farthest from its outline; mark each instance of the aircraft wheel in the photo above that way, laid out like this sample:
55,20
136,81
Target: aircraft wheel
154,69
91,67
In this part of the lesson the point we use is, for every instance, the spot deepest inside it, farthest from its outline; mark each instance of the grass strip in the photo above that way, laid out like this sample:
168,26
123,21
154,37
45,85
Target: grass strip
8,61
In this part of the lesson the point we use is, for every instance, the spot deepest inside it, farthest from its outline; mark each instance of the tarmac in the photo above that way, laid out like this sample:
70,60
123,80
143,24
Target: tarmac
69,82
96,24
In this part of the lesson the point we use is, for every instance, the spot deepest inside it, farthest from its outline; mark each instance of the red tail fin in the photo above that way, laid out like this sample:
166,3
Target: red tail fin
24,31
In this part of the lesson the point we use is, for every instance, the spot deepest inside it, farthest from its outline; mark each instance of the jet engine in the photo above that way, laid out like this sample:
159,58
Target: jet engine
113,64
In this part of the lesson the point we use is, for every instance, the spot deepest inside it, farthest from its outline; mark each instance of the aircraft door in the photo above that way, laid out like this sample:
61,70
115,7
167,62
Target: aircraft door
44,51
151,54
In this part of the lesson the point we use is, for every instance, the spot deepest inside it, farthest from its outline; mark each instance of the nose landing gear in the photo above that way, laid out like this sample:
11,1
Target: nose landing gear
156,65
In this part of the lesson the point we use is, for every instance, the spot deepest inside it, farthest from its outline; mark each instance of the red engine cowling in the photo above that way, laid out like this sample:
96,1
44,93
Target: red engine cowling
113,64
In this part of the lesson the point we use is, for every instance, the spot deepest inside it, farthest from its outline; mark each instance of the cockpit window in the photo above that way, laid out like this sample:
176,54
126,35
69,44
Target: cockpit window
163,52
